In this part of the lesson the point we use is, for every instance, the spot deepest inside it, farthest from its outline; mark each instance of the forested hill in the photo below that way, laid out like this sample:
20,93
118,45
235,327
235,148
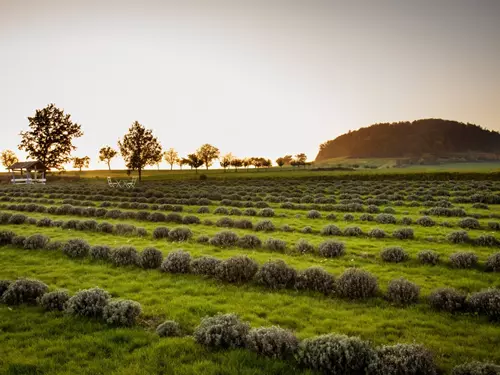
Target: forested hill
411,139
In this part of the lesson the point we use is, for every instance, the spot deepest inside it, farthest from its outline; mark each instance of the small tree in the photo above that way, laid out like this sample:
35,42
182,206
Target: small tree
140,148
183,161
226,161
207,153
81,162
8,158
171,157
287,159
247,162
300,159
50,139
106,154
194,161
280,162
267,163
236,163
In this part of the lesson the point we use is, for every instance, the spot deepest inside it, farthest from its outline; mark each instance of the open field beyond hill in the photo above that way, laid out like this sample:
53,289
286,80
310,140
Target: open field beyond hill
333,223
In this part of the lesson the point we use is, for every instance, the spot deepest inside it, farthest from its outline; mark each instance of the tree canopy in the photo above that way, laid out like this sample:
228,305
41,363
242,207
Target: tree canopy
208,153
171,157
194,161
81,162
140,148
8,158
50,138
411,139
107,153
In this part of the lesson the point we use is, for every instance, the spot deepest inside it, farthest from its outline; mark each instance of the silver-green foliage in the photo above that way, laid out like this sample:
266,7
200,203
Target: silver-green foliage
24,291
236,269
222,331
274,342
121,312
403,292
54,301
176,262
276,274
357,284
169,328
403,359
76,248
88,303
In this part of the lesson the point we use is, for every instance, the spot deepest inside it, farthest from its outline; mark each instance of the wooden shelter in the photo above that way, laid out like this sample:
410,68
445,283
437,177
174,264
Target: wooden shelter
34,172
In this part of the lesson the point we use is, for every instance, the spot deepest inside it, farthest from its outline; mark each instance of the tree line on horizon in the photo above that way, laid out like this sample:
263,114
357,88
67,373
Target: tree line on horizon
51,135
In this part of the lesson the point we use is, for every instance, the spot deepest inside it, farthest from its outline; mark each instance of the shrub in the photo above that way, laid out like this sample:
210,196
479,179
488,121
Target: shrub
494,225
313,214
125,229
349,217
173,217
222,331
336,354
17,219
463,259
36,241
403,234
331,230
221,211
407,221
24,291
105,227
394,254
44,222
160,232
476,368
403,292
177,262
389,210
88,303
276,274
31,221
460,236
353,232
70,224
315,279
156,217
225,222
55,300
275,244
235,212
250,212
274,342
286,228
142,232
6,237
428,257
331,217
265,226
372,209
306,230
169,328
238,269
469,223
87,225
203,210
249,241
151,258
243,224
203,239
426,221
224,239
493,263
205,265
4,285
331,249
376,233
403,359
302,246
76,248
385,219
125,256
18,241
486,240
180,234
486,302
357,284
266,212
447,299
121,312
100,252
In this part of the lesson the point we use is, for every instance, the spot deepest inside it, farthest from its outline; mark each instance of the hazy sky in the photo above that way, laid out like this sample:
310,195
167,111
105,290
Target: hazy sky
256,78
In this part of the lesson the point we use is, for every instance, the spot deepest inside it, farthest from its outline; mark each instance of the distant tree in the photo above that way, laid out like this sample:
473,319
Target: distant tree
287,159
236,163
106,154
194,161
247,162
208,153
267,163
301,159
8,158
183,161
226,160
81,162
140,148
50,139
171,157
280,162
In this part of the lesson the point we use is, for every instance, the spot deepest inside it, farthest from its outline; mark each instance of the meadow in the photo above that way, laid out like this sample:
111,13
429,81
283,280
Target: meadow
433,232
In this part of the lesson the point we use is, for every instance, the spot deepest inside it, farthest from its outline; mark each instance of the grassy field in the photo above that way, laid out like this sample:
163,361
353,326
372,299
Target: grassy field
36,342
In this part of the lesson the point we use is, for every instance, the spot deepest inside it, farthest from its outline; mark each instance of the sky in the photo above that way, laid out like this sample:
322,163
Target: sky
255,78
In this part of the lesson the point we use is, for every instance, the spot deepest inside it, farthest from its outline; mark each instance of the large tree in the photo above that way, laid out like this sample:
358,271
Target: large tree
208,153
81,162
140,148
236,163
8,158
106,154
171,157
50,138
194,161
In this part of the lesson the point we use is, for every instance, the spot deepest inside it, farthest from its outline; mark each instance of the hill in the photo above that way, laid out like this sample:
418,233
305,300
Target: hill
411,139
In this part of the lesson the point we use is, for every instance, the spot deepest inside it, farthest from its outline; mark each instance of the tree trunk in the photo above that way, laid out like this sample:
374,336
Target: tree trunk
171,166
140,174
196,169
109,166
